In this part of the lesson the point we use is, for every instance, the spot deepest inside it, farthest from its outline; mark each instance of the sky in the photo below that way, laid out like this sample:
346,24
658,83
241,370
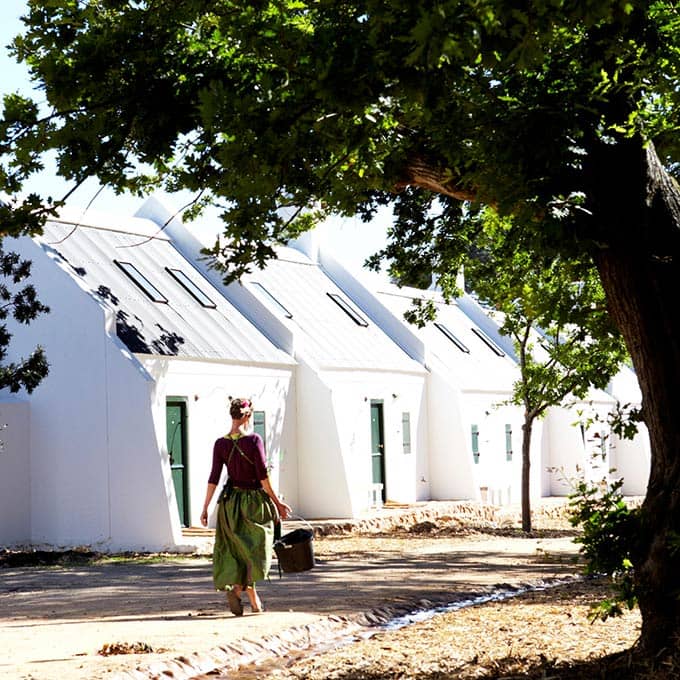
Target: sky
350,240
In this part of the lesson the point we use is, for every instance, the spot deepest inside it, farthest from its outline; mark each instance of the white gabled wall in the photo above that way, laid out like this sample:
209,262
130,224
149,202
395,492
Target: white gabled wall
15,464
96,475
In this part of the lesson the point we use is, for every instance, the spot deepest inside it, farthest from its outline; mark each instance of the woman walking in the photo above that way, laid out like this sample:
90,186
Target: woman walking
247,510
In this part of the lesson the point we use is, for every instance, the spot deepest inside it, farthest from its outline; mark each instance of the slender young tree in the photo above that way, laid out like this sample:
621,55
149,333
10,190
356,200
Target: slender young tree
562,113
556,315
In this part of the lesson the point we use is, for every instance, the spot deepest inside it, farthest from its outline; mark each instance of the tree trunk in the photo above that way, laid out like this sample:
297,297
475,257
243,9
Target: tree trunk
639,214
526,471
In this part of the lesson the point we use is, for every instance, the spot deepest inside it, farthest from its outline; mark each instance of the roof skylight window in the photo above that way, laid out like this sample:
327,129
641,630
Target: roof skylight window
452,337
268,296
348,309
488,341
191,288
141,281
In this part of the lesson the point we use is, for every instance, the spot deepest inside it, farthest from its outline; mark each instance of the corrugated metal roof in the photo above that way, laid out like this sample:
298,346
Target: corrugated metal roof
182,327
324,332
467,356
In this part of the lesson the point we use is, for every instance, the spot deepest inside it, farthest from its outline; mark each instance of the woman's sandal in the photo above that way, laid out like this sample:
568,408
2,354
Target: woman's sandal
234,600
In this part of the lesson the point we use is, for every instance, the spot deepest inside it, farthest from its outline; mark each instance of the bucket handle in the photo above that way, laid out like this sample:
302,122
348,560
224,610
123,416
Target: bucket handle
302,519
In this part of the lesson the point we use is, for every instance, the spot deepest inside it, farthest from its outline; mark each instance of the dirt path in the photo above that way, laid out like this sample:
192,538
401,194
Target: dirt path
54,620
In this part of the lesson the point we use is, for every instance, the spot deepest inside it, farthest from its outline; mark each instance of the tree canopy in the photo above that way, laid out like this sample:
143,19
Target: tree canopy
256,106
562,113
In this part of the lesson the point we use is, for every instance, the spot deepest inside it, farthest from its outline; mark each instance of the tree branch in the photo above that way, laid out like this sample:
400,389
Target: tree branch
426,173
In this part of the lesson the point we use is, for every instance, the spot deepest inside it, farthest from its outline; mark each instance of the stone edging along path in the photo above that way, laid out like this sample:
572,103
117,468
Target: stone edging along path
328,633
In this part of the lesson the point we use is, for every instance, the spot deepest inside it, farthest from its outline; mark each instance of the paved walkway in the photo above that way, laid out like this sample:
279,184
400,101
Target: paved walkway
54,620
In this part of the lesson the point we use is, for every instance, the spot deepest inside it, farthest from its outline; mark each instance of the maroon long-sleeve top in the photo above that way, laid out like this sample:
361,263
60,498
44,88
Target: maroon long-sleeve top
246,467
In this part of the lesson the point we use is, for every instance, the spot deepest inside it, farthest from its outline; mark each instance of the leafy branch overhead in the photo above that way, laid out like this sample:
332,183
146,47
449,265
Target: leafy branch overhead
271,105
22,304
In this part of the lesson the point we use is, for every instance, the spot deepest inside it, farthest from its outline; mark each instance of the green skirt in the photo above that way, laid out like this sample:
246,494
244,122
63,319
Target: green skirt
244,538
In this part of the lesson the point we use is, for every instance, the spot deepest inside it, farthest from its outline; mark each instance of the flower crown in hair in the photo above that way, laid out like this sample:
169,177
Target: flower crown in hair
246,408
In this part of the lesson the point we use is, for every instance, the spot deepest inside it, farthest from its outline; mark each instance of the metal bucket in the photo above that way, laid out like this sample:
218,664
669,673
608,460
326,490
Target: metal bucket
295,551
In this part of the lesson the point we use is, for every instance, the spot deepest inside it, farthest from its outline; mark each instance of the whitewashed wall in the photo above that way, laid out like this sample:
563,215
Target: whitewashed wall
577,454
497,478
631,459
207,387
96,473
15,463
334,440
451,473
323,485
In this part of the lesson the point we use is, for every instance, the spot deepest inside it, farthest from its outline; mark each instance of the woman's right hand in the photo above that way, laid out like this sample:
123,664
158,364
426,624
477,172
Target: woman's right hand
284,509
204,517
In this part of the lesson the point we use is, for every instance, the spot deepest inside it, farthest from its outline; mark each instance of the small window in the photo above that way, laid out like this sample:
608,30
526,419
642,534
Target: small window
348,309
406,431
141,281
486,339
259,424
508,442
475,442
452,337
191,287
268,296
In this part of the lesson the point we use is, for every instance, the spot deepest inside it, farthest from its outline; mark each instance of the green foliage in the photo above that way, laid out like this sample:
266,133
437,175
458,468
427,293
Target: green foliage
611,534
553,308
22,304
267,105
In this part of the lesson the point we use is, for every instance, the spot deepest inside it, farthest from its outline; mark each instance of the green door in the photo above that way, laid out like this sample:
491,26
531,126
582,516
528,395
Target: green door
176,435
378,445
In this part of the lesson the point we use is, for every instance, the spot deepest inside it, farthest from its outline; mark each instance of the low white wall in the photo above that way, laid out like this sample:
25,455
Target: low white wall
15,486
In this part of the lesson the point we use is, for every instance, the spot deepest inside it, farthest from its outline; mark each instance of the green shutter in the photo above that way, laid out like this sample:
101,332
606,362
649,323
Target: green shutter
508,442
259,425
475,442
406,431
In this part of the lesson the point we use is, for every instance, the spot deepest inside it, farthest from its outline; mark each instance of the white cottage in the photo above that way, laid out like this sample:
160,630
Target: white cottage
144,354
574,441
362,423
474,436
